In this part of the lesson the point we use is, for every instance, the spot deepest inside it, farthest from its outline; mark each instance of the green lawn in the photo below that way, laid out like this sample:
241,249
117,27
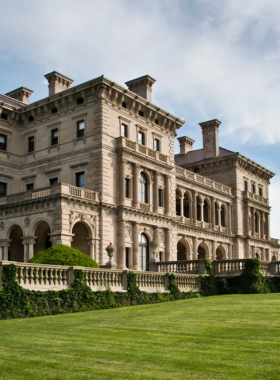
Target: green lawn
223,337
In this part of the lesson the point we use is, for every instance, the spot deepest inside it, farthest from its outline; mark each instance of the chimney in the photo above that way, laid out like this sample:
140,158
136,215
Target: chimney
57,82
210,132
142,86
186,144
22,94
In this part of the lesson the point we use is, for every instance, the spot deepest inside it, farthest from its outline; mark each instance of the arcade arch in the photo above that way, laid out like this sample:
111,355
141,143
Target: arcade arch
16,248
80,240
43,239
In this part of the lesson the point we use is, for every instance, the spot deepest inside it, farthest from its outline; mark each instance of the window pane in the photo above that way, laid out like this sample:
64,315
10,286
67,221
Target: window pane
2,139
3,142
3,188
124,130
53,181
30,186
80,180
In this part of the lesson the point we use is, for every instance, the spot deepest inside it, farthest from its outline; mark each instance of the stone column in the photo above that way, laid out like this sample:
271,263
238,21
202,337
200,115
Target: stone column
135,247
167,195
190,206
122,163
194,213
219,216
253,255
253,221
267,226
182,206
91,244
31,243
201,210
167,245
136,169
267,254
1,252
213,213
229,218
247,219
194,248
25,251
262,254
121,245
155,191
262,225
230,252
213,250
6,247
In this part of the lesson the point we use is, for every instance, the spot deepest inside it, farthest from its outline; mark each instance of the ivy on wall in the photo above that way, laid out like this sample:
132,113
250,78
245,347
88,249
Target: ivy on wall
16,302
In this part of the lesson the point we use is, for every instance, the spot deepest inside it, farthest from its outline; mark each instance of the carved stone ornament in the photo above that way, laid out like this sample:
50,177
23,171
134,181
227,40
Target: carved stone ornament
127,232
2,226
26,222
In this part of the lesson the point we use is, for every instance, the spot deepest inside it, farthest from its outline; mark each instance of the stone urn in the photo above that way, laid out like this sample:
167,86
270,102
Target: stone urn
153,247
110,250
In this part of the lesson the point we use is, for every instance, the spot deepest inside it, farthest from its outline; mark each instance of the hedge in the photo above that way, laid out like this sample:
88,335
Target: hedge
16,302
63,255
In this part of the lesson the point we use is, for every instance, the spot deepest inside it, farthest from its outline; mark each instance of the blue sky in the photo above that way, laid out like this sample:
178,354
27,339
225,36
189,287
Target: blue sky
211,59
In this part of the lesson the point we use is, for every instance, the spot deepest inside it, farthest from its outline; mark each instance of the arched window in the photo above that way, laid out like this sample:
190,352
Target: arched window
206,211
143,251
256,222
143,188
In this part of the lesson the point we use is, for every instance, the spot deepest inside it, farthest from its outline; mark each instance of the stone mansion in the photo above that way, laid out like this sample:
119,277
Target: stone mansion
94,164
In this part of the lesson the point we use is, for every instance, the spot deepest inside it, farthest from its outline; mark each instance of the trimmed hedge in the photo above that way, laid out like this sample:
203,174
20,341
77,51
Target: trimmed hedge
63,255
16,302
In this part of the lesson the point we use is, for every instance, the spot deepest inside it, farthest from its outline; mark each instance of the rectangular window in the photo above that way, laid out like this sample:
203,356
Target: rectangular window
124,104
253,188
3,142
80,101
53,181
80,180
196,170
31,144
30,119
80,128
141,138
246,185
4,116
127,257
124,130
260,192
54,137
127,187
156,147
3,189
160,200
141,113
54,110
29,186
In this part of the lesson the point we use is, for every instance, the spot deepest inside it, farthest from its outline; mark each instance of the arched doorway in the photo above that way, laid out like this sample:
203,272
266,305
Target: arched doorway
80,238
16,249
202,251
182,249
43,240
220,253
143,251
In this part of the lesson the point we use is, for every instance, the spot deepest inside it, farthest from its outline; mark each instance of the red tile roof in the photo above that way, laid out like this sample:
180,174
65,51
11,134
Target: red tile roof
197,155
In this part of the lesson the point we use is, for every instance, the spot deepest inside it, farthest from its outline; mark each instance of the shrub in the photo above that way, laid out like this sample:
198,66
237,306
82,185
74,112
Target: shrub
212,285
63,255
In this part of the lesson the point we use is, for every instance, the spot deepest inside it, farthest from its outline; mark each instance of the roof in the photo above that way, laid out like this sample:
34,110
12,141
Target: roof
12,102
197,155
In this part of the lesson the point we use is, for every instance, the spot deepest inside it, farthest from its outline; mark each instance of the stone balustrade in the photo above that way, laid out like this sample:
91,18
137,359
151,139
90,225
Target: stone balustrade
255,197
183,266
60,188
155,155
44,277
202,180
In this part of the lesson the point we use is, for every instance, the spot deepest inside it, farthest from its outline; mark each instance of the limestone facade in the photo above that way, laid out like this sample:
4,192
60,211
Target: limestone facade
94,164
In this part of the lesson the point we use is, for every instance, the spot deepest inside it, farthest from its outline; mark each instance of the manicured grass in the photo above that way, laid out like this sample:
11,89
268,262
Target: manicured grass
223,337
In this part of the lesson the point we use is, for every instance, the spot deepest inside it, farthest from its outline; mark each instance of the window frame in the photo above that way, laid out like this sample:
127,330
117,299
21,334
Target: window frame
143,142
29,184
52,137
124,128
53,180
157,144
28,144
127,188
126,122
79,173
6,188
5,143
79,130
160,197
143,189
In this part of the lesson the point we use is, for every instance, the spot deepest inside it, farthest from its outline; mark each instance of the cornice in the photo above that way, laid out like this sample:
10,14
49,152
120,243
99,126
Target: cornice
143,157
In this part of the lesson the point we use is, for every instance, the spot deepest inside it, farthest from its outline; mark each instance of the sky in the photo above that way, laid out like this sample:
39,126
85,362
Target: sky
211,59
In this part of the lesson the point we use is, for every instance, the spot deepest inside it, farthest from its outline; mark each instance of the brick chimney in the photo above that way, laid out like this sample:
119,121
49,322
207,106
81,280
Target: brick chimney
210,132
57,82
22,94
186,144
142,86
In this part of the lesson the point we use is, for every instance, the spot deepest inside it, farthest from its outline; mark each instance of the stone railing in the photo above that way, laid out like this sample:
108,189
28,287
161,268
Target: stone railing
124,142
255,197
183,266
60,188
202,180
236,267
276,241
57,277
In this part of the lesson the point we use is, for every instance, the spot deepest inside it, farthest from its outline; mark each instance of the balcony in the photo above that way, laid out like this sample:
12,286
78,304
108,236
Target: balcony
60,188
202,180
255,197
123,142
